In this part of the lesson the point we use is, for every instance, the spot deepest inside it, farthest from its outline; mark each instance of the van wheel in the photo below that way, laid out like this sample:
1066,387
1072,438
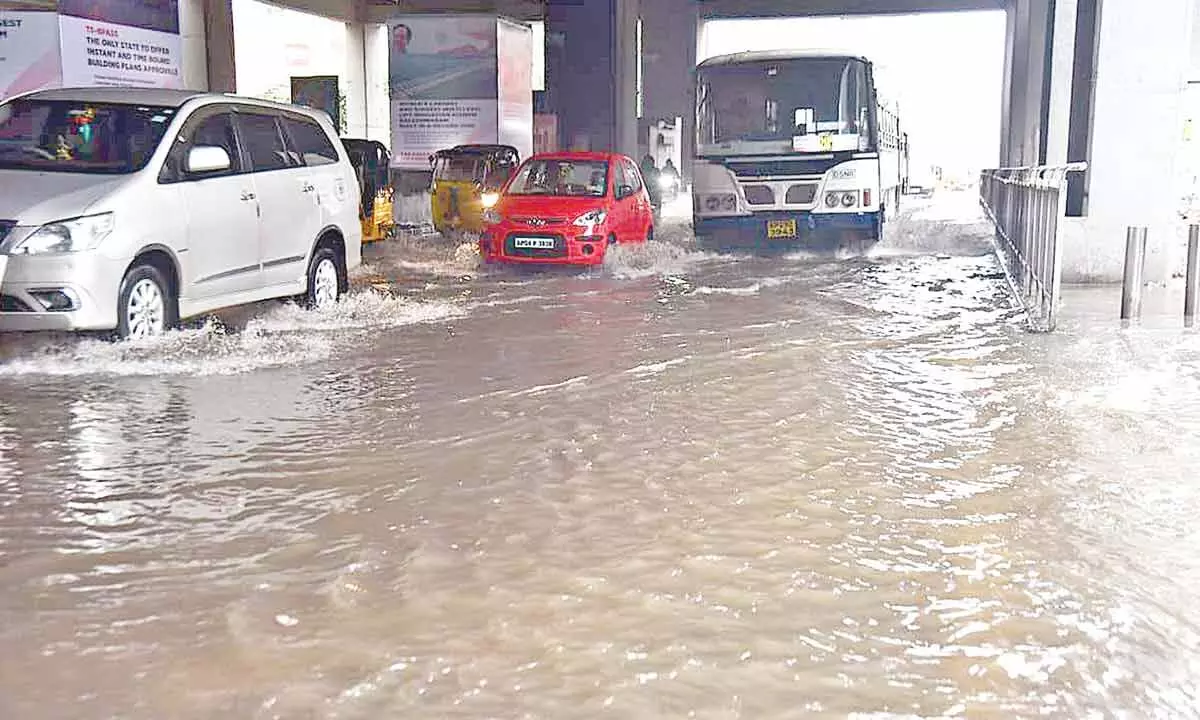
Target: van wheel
325,281
145,305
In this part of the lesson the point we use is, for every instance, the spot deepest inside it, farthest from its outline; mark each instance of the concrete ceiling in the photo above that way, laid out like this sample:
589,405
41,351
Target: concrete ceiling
794,8
377,10
516,9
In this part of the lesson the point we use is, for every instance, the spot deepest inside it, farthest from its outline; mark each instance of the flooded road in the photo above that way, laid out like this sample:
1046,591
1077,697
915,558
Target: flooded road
682,486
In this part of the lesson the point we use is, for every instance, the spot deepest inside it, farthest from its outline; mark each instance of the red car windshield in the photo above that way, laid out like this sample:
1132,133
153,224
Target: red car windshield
562,178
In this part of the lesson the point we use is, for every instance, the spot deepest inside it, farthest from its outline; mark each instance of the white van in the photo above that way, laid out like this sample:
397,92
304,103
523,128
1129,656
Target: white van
129,209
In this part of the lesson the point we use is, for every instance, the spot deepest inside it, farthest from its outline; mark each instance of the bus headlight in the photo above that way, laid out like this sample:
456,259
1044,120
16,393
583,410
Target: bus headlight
717,203
849,199
832,199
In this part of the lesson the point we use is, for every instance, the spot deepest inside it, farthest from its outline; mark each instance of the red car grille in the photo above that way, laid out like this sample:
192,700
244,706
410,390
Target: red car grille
535,221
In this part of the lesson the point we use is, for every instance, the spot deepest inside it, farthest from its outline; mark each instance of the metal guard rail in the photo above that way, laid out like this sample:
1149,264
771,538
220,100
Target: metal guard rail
1026,206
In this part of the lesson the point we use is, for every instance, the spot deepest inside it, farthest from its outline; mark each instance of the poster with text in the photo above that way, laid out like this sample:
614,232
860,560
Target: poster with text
28,52
442,82
422,127
121,43
514,57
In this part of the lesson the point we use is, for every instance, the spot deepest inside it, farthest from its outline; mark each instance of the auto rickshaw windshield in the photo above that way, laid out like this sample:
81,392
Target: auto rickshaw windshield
456,168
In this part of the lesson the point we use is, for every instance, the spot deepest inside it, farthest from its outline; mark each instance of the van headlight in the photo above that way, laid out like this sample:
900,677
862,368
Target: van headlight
489,199
492,216
591,218
67,236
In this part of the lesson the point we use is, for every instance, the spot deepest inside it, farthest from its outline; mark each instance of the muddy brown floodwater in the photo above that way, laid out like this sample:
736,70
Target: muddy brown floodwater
681,486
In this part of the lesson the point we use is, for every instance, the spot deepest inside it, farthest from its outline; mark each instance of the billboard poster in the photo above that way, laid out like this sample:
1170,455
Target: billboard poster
28,50
120,43
442,81
514,53
319,92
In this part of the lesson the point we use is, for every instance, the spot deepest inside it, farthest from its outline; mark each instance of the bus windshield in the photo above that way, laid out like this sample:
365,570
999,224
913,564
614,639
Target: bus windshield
785,106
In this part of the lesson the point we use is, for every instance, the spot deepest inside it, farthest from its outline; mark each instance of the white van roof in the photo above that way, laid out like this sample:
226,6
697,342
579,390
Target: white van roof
121,95
153,96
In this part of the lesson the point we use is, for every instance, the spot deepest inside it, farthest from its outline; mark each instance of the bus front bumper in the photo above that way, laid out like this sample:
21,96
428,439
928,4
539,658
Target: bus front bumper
817,231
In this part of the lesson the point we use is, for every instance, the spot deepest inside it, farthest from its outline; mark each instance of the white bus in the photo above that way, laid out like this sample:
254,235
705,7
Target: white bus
793,148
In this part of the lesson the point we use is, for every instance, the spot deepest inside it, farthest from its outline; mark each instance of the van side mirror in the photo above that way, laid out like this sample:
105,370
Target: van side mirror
624,191
208,159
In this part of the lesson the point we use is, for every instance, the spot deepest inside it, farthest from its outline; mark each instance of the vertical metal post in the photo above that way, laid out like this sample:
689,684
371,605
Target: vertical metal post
1059,208
1135,265
1192,275
1026,233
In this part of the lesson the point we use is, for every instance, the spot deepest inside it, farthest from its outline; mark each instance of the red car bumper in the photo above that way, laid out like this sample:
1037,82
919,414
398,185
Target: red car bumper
502,244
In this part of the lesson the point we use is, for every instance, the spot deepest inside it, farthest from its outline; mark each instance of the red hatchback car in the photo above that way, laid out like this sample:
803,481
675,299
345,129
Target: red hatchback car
567,208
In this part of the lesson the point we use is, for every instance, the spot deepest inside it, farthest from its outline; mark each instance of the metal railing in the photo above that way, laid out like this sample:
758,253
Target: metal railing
1026,205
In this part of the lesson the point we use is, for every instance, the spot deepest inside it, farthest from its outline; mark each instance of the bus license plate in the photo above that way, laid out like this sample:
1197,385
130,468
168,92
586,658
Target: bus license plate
527,243
781,229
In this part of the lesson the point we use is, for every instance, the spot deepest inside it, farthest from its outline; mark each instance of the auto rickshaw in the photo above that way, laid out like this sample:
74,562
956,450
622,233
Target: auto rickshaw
371,161
466,181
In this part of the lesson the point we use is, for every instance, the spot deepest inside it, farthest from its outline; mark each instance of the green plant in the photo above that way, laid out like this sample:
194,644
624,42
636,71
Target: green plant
341,110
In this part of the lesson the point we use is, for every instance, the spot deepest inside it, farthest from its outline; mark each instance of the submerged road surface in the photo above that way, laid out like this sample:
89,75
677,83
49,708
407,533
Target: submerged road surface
682,486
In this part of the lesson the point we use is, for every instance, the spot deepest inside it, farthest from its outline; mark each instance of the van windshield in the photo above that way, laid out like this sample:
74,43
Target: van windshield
77,137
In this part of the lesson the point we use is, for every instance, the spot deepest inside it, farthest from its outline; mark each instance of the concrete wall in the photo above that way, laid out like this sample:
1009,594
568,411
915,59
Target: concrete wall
1144,59
797,8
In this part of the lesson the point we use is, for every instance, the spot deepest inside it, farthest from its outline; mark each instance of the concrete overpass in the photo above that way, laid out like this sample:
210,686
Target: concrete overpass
1079,85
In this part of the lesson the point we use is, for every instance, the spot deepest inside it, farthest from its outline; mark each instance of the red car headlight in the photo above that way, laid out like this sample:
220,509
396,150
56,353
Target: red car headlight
591,218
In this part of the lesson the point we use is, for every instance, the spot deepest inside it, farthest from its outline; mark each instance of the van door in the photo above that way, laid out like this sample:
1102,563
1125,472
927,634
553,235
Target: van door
287,200
308,141
221,224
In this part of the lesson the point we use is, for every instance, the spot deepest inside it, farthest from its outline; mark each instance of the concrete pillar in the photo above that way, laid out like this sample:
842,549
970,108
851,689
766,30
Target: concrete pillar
591,80
1136,132
1025,90
193,45
1036,82
1061,74
1018,107
670,31
379,102
218,34
1006,90
354,81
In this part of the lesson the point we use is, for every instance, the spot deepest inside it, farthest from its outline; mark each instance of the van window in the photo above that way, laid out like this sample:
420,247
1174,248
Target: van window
79,137
209,130
310,141
263,143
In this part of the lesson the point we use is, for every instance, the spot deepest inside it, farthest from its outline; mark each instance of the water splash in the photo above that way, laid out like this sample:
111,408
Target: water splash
284,335
652,259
